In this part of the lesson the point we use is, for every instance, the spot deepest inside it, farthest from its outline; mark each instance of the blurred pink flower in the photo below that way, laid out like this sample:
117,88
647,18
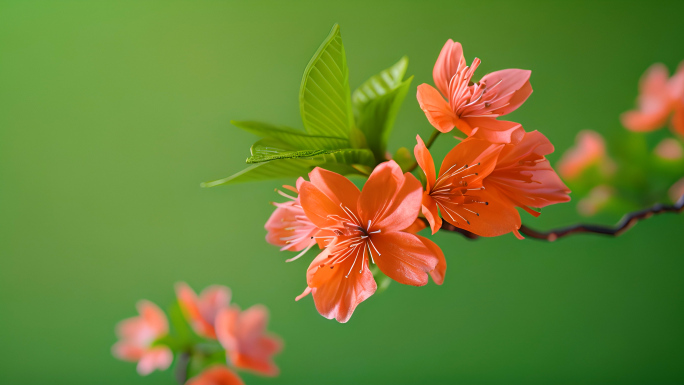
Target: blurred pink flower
216,375
136,336
659,97
670,149
589,150
289,227
473,107
201,311
248,345
677,190
595,200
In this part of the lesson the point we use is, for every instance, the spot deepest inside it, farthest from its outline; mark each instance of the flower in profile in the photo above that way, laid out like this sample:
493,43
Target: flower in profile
473,107
589,150
201,311
524,177
137,336
458,192
216,375
362,227
248,345
659,97
289,227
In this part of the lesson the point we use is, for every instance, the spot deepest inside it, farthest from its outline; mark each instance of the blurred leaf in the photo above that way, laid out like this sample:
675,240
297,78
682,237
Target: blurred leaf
291,136
377,102
324,99
381,279
404,158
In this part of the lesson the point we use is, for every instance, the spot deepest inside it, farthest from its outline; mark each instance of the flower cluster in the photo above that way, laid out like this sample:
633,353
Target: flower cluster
209,332
644,169
480,183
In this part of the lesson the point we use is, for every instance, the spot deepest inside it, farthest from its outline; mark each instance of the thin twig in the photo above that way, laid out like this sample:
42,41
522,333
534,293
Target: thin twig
626,223
182,367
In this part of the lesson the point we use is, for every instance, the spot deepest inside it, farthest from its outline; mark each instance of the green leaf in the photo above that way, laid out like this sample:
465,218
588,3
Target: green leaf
293,137
377,102
286,168
343,155
324,97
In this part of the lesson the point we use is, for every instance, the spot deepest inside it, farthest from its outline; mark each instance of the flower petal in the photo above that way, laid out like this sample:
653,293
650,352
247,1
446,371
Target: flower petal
404,208
496,131
379,190
154,317
654,101
439,272
678,118
436,109
318,206
511,92
470,152
157,358
431,212
449,62
482,212
404,257
189,303
216,375
425,161
337,288
337,187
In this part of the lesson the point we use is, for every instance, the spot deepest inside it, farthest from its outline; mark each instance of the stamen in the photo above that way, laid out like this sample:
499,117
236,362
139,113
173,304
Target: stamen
285,195
302,253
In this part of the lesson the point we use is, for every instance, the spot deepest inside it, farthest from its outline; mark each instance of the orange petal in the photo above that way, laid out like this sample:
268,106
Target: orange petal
449,62
417,226
318,206
338,188
492,217
511,92
404,257
379,190
425,161
216,375
404,207
678,118
190,305
470,152
440,270
431,212
337,289
654,101
154,317
496,131
158,358
436,109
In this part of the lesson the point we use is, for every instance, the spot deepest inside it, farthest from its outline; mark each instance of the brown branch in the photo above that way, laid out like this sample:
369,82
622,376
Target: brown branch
626,223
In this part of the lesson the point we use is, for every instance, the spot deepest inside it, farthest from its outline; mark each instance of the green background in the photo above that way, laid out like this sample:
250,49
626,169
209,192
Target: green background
112,113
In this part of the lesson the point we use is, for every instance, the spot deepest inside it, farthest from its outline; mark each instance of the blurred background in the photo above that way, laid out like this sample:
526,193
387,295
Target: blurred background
112,113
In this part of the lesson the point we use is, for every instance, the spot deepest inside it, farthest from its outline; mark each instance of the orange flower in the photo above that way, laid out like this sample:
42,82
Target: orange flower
289,227
659,97
243,335
524,177
458,192
201,311
589,150
480,184
216,375
136,338
473,108
362,226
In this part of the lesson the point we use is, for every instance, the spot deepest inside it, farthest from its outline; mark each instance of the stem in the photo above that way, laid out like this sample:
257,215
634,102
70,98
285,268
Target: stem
182,366
429,143
626,223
